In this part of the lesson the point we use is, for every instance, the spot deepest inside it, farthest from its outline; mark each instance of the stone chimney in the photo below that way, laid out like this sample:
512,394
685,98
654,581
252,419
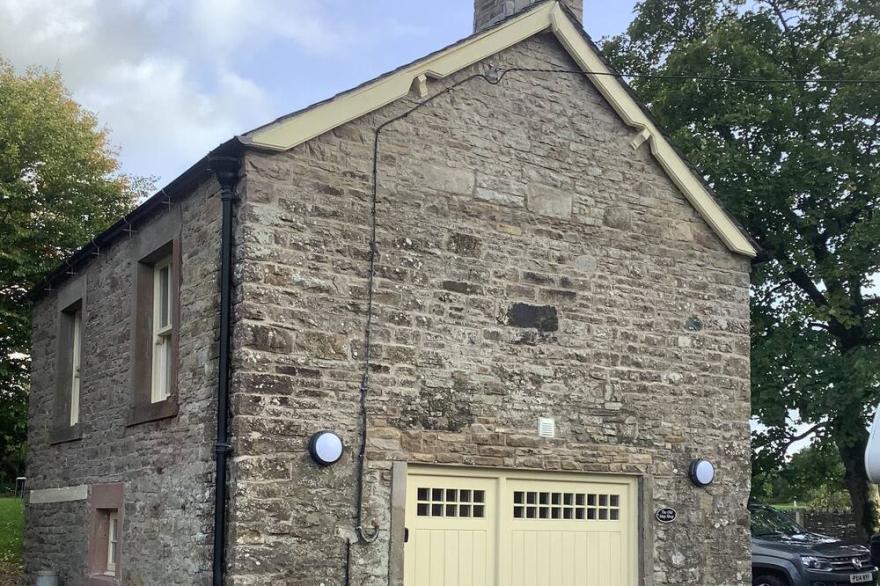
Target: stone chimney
490,12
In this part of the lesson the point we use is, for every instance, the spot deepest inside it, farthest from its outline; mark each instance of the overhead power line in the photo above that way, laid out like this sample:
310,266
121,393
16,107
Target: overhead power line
697,77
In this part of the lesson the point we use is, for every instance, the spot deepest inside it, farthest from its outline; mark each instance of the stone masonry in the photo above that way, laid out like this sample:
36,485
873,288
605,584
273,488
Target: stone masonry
530,264
167,465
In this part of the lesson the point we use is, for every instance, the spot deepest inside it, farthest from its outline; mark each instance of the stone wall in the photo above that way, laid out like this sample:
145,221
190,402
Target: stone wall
57,539
166,465
839,524
530,264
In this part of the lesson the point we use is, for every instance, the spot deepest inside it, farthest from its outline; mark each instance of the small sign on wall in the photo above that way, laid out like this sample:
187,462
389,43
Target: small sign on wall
666,515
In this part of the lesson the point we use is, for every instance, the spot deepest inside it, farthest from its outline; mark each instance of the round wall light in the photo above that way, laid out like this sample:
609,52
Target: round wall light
325,447
702,472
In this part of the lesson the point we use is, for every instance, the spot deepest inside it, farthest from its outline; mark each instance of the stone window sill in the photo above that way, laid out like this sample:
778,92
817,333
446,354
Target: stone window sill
63,435
103,580
147,412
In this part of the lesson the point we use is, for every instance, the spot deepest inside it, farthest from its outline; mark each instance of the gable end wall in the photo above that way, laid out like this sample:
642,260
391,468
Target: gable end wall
531,264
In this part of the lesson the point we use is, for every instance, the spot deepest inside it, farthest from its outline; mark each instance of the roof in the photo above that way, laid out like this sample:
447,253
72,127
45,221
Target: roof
294,129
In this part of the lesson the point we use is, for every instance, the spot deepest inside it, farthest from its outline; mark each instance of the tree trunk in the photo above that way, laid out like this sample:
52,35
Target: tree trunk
863,494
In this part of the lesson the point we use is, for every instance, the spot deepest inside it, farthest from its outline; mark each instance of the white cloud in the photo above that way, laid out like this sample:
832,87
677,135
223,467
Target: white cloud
76,36
158,72
163,118
166,77
225,25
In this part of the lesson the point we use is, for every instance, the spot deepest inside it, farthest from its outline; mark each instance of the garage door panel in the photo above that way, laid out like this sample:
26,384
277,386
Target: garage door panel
537,558
471,552
532,529
437,553
567,561
583,564
447,558
451,531
575,533
566,558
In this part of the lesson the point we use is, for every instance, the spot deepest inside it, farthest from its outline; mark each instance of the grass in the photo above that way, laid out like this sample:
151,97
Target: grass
11,530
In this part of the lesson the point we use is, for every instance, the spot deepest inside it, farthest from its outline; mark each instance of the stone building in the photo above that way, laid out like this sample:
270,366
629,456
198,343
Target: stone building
487,272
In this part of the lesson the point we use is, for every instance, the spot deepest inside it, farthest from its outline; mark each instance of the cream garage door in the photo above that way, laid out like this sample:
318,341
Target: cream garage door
481,527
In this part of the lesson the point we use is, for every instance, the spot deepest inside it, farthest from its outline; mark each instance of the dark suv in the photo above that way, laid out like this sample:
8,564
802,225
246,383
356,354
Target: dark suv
785,554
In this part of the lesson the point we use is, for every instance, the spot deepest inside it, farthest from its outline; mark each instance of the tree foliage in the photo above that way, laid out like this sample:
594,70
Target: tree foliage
797,164
812,477
59,186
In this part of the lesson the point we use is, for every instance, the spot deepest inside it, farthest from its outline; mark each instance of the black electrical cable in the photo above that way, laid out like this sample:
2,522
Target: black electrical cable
365,378
362,535
373,254
724,78
493,77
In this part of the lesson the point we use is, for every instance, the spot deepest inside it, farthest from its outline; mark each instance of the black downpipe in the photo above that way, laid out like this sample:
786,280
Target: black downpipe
226,169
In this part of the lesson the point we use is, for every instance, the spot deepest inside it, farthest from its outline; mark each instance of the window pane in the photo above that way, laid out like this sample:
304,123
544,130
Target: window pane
112,541
162,328
163,286
161,369
76,353
166,382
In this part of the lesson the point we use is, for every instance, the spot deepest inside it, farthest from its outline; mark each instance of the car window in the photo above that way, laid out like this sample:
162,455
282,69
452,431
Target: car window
769,521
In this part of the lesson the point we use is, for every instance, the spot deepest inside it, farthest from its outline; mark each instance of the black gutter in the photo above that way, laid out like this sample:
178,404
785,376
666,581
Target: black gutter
227,171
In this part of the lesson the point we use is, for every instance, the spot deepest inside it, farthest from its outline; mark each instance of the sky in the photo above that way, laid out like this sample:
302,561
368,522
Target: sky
172,79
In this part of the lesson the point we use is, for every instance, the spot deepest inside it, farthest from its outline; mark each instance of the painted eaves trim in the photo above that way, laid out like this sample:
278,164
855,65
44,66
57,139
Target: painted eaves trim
296,129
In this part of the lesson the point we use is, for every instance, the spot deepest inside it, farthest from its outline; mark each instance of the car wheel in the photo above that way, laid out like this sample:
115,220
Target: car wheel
769,580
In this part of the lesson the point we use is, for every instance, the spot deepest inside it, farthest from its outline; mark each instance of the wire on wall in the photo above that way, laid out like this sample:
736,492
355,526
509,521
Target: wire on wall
364,535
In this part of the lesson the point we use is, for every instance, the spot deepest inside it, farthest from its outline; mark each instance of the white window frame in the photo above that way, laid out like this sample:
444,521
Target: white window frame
162,331
112,543
75,365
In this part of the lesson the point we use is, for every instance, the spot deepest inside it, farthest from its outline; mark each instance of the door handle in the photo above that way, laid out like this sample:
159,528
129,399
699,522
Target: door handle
406,534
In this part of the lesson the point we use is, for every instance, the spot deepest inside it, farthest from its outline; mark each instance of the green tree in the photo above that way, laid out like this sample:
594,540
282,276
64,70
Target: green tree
798,165
59,186
812,477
